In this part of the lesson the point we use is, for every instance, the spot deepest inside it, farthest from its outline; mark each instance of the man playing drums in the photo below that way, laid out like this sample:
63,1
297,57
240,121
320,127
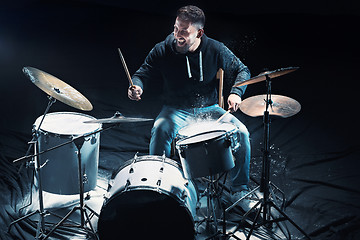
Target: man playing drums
187,61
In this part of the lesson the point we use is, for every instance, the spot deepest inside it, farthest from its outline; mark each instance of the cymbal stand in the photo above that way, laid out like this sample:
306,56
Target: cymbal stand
266,203
79,141
42,213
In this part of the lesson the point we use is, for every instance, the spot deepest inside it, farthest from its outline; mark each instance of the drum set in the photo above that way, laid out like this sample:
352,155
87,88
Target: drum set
148,195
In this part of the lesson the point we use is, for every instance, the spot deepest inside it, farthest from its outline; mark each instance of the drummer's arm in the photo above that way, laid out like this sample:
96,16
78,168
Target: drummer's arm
234,69
143,75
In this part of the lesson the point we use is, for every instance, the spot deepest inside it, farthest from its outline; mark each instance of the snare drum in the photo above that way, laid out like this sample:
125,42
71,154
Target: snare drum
149,198
59,170
205,148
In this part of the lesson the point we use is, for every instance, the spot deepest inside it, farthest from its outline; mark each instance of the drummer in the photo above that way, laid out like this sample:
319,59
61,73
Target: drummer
187,61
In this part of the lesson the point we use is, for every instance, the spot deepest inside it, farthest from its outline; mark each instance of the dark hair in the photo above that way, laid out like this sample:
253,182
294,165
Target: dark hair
192,14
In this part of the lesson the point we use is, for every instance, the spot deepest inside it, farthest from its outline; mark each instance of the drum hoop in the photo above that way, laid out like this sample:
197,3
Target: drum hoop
178,144
144,158
63,134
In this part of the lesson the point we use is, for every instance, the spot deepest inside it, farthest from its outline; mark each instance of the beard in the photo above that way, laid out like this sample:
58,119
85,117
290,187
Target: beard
182,47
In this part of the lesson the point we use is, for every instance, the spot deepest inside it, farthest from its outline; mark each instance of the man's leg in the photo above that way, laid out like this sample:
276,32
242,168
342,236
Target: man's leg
167,124
239,175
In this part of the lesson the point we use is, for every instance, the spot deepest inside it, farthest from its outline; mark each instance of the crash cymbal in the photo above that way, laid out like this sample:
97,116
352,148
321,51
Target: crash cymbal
57,89
281,106
118,118
270,74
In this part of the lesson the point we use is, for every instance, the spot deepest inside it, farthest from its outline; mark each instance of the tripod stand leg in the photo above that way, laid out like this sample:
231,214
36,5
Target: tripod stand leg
89,221
22,218
290,220
61,222
255,220
92,211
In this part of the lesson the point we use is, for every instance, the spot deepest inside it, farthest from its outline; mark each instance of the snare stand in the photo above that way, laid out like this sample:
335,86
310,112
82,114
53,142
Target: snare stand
213,193
79,141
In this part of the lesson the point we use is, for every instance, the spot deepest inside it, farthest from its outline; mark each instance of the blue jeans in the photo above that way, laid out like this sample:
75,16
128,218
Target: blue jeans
170,120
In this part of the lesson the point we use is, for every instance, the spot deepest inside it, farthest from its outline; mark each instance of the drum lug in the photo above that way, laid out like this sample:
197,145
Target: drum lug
93,139
206,148
133,162
85,178
182,153
158,183
229,140
127,185
106,195
111,183
135,157
46,137
184,195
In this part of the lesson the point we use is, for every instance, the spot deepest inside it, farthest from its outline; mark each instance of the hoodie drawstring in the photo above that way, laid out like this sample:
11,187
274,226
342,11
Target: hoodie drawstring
200,65
188,67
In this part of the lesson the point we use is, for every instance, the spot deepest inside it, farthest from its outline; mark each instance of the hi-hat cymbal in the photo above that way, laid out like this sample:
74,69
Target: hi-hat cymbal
281,106
270,74
58,89
118,118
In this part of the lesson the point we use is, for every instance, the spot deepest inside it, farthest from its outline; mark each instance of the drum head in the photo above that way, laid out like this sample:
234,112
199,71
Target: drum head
202,137
143,214
205,126
67,123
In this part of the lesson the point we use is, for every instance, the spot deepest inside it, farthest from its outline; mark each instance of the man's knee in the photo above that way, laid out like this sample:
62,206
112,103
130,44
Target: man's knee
162,130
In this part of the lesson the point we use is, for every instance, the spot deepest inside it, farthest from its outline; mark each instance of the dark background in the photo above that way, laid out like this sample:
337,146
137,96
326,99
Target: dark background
315,153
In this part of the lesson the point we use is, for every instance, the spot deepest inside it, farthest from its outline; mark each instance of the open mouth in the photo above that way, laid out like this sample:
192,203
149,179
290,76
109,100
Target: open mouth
180,42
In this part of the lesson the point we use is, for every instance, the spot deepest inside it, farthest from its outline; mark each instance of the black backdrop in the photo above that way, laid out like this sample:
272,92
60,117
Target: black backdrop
315,153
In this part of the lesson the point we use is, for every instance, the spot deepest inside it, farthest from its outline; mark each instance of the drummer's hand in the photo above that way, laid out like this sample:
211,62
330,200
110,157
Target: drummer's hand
234,101
135,92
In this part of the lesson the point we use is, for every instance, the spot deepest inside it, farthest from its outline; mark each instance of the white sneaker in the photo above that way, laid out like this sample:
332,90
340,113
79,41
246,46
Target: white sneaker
246,203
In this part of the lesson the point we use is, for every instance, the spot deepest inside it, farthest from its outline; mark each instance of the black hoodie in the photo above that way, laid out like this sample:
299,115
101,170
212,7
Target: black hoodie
190,79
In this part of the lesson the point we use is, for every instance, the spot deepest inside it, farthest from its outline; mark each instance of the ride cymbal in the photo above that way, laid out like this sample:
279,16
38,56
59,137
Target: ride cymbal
280,106
271,74
58,89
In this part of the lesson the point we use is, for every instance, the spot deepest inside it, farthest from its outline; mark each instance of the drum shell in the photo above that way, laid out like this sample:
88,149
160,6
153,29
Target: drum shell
59,170
149,193
207,157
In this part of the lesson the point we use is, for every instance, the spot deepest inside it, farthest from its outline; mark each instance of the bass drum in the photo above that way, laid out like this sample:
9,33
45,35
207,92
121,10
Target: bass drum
149,198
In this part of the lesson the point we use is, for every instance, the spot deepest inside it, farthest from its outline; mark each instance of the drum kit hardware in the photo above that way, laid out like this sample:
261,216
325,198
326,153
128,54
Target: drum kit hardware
79,154
159,190
268,105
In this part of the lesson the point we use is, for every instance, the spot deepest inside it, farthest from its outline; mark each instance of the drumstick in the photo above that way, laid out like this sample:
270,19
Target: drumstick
125,67
222,116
